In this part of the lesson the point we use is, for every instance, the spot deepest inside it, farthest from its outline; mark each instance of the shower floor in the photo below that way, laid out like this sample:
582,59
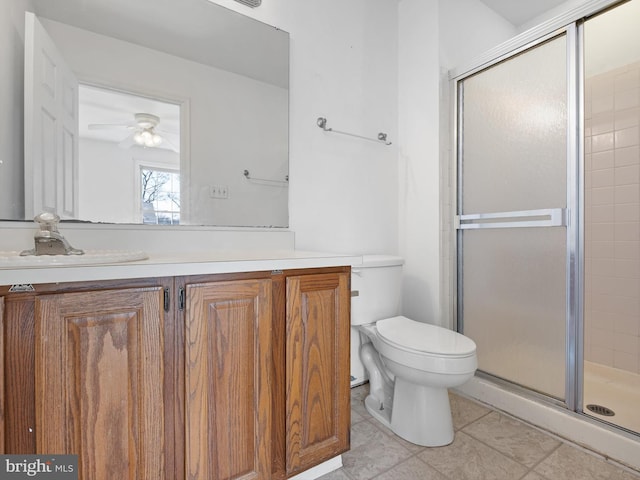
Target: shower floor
616,389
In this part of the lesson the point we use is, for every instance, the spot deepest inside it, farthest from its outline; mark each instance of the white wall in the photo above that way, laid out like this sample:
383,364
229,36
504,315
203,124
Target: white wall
468,28
418,126
343,67
372,66
11,108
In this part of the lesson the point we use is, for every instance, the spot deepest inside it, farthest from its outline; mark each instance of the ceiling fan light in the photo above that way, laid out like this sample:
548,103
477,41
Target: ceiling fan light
156,139
137,137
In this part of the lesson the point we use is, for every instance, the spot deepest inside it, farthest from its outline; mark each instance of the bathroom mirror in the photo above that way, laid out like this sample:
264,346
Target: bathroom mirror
208,85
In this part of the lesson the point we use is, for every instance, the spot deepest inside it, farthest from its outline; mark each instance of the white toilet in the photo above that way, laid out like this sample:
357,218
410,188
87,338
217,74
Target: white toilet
410,364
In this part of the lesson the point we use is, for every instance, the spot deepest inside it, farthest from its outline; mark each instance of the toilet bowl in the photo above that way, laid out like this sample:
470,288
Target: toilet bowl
420,362
410,364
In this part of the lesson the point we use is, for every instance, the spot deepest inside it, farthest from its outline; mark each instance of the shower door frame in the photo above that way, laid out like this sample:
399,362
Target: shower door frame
570,24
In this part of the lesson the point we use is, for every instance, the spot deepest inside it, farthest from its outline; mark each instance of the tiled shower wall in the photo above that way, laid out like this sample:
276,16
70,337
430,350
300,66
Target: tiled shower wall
612,212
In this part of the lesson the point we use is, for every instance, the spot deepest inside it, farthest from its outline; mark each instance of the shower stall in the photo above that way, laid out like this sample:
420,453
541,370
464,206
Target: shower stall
548,213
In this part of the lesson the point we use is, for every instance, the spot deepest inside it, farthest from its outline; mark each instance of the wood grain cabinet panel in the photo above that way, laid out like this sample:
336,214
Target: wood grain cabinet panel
2,375
317,368
99,381
19,370
228,393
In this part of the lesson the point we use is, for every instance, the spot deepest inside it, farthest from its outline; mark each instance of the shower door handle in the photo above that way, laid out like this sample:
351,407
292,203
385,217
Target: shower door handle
548,217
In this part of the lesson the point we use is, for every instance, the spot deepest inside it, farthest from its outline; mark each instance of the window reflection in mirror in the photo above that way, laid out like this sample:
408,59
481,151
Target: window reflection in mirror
160,196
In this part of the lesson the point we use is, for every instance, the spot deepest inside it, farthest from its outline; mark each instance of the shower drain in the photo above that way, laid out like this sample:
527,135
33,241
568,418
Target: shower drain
600,410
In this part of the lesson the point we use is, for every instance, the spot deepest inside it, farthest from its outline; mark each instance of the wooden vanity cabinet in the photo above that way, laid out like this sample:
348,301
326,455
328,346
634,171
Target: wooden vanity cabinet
205,377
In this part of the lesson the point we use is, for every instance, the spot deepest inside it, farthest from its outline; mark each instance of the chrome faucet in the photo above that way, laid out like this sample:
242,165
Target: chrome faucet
48,240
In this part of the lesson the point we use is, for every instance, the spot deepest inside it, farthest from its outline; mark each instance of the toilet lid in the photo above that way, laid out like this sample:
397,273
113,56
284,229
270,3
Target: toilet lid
423,337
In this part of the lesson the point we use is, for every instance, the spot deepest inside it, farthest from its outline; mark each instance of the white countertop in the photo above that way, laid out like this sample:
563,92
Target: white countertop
175,264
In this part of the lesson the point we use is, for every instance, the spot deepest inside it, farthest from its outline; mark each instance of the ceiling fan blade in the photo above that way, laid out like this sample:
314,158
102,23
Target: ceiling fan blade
102,126
170,144
166,132
127,142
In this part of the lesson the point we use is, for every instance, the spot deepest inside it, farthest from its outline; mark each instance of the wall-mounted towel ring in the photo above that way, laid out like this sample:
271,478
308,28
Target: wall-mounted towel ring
382,137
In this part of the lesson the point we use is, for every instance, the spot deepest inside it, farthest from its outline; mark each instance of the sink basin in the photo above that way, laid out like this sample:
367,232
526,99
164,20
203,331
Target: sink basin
90,257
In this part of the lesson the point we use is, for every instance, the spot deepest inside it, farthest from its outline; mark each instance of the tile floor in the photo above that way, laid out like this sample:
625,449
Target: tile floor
488,445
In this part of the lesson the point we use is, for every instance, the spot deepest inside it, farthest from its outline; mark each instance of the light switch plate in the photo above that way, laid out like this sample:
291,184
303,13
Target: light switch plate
219,191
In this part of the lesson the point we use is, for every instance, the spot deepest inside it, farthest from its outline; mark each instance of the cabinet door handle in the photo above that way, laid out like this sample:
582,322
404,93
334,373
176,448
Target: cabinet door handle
181,299
167,300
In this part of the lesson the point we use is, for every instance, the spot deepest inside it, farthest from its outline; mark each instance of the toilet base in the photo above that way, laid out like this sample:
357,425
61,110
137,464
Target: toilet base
377,411
421,414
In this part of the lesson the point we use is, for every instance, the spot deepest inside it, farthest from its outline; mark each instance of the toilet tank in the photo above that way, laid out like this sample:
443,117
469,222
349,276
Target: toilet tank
376,288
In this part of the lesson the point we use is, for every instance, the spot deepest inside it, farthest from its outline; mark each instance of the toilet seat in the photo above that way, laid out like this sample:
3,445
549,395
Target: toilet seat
423,338
408,342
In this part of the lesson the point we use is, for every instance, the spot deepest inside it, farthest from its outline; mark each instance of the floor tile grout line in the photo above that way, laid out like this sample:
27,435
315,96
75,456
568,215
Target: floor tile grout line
484,442
490,409
566,441
480,440
423,449
391,434
554,435
397,464
561,442
498,451
435,468
533,468
432,466
475,420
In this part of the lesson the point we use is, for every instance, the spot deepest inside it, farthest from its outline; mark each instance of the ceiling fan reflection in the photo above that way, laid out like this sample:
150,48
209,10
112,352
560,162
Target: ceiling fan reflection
144,132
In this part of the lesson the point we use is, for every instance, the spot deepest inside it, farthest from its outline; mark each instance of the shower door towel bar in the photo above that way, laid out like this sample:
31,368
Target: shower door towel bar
382,137
266,180
549,217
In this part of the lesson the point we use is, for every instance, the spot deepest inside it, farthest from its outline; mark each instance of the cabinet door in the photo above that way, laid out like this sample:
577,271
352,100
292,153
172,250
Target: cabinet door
99,381
228,362
2,375
317,368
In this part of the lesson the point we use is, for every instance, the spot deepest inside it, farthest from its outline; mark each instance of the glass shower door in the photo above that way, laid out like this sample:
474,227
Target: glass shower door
512,211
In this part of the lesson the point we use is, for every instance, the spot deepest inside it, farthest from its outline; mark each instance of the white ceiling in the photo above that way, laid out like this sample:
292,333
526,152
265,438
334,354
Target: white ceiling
519,12
197,30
